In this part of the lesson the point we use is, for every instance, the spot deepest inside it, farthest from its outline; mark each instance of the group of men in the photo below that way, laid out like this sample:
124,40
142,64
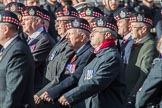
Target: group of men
101,58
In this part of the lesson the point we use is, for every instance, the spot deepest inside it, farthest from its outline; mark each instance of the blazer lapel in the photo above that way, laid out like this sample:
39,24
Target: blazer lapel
8,47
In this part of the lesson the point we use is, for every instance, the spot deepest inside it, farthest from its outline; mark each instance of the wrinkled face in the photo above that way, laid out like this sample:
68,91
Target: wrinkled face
28,24
123,26
112,4
136,30
32,3
73,38
97,37
60,25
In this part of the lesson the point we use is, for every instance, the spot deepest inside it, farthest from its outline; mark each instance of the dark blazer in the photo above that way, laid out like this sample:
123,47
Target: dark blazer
102,83
126,47
40,48
150,93
16,76
56,64
83,57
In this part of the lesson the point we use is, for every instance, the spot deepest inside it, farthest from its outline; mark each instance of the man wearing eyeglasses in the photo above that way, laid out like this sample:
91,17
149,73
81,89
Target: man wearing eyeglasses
142,54
60,54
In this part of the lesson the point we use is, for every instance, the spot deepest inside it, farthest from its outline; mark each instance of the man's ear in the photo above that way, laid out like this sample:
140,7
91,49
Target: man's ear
107,35
83,37
144,29
5,29
38,20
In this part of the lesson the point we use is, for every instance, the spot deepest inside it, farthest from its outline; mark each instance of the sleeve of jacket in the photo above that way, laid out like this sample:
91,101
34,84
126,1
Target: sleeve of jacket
71,81
106,73
16,79
151,89
42,50
145,66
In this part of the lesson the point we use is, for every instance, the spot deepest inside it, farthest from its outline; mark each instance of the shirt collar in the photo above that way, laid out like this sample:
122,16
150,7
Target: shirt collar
126,37
36,34
8,42
80,48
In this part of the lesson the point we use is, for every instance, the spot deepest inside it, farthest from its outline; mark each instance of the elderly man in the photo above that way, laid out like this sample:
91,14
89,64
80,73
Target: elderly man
78,39
61,53
102,82
122,17
149,95
90,13
39,41
142,55
16,66
17,8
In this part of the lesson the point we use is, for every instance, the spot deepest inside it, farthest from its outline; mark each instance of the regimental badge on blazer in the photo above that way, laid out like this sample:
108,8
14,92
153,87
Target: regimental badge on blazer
53,55
88,75
71,68
32,48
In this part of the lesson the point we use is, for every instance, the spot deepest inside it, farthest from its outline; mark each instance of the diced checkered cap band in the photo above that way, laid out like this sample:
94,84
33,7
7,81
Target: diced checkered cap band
46,17
94,14
77,25
122,15
7,19
33,12
19,9
145,20
60,14
107,25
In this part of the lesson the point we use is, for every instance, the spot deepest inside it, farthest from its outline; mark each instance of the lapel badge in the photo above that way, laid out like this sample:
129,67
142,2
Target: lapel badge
75,23
122,14
13,7
31,12
32,48
139,17
100,22
88,11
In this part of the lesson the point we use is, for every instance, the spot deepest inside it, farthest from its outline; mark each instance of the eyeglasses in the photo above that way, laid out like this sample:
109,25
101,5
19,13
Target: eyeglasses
136,26
60,21
97,31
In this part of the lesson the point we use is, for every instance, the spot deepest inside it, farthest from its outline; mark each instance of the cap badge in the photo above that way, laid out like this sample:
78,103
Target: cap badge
139,17
13,7
100,22
88,12
31,12
122,14
75,23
